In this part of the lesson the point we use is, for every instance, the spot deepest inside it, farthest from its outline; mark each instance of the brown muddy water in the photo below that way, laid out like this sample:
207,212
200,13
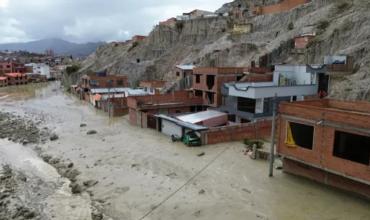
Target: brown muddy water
141,174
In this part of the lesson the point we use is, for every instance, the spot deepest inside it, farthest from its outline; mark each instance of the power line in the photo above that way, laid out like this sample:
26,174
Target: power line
186,183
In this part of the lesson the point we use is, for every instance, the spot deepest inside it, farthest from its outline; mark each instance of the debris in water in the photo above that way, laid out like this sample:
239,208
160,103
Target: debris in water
54,137
91,132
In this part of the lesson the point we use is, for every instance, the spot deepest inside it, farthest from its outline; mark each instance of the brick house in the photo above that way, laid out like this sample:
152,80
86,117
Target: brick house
327,141
137,38
301,41
339,64
102,80
16,78
171,22
283,6
143,108
208,81
12,67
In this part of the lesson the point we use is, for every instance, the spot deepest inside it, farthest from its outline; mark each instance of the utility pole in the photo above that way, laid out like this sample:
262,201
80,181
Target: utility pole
272,152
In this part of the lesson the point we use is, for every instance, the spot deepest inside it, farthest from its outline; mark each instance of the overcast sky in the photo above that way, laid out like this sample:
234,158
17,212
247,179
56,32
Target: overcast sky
89,20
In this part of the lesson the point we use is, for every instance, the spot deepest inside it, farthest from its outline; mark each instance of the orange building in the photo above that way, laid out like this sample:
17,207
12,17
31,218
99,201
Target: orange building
301,41
102,80
327,141
138,38
143,108
208,81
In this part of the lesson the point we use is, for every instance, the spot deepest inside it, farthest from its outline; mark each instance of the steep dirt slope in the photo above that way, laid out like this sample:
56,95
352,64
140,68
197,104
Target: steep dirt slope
342,27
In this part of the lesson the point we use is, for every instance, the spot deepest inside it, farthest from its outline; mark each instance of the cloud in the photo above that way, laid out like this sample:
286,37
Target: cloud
89,20
11,32
4,3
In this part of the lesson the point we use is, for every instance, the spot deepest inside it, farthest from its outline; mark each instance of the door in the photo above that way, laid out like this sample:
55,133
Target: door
323,84
152,122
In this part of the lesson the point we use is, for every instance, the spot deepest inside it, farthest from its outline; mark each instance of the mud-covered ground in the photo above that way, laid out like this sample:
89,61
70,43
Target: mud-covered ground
124,172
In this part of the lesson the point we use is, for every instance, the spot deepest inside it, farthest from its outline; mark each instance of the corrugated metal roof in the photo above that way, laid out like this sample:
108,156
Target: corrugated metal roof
200,116
185,67
191,126
126,91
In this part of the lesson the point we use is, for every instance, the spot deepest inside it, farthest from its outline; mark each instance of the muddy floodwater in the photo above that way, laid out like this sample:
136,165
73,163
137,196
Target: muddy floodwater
140,174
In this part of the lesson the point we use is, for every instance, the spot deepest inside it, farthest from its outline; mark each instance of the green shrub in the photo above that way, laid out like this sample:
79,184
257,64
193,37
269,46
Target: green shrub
323,24
291,26
252,47
72,69
342,6
179,25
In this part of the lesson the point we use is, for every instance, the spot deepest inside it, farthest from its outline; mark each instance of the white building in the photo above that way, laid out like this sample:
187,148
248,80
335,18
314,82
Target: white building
40,68
254,99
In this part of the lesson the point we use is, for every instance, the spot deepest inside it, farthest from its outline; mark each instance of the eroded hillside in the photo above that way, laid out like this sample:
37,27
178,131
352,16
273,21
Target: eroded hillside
342,27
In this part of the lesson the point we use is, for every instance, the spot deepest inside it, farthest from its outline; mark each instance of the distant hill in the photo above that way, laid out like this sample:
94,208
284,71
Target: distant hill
60,47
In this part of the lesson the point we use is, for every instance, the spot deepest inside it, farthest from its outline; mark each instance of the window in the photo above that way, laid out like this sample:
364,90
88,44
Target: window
300,135
120,82
198,93
352,147
197,78
177,73
246,105
94,83
210,98
210,81
110,83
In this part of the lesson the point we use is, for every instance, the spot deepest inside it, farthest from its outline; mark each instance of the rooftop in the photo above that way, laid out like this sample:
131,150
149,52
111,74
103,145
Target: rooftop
200,116
191,126
15,74
186,67
126,91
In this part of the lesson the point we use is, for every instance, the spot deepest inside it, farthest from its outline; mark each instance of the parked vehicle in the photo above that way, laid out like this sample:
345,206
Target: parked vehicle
190,139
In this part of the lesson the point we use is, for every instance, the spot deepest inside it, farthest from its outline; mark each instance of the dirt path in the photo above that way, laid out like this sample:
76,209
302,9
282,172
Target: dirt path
140,174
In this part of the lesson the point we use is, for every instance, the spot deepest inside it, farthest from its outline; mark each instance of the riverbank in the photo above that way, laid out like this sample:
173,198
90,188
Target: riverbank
134,173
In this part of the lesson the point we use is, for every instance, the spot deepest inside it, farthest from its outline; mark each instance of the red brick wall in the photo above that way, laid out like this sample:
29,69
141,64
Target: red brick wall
321,155
222,75
132,116
301,42
18,80
103,81
321,176
258,130
178,98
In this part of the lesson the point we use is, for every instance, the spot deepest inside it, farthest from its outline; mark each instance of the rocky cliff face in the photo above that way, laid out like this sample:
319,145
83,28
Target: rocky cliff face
342,27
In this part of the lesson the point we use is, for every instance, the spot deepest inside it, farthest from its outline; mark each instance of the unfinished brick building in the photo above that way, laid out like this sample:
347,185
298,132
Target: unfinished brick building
103,80
12,67
208,81
17,79
143,108
327,141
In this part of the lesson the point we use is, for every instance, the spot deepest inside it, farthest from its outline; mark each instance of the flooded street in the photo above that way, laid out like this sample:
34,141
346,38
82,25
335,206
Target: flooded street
140,174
